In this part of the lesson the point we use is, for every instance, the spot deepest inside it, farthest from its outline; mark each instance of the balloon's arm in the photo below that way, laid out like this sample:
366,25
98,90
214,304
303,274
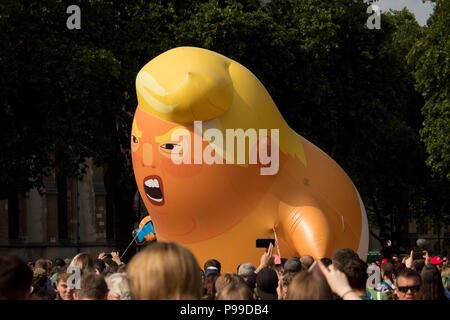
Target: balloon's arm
308,229
146,233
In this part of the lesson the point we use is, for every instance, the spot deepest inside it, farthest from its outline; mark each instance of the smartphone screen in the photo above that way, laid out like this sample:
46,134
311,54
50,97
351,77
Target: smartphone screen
264,243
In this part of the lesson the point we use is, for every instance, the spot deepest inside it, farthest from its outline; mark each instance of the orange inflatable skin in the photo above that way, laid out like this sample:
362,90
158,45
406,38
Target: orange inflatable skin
219,210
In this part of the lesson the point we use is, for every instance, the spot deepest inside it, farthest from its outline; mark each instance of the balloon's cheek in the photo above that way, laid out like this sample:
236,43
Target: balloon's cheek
180,170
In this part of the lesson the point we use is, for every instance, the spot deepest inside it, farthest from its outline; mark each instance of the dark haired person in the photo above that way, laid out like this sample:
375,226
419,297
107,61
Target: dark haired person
92,287
433,288
59,262
15,278
343,256
213,266
409,285
356,272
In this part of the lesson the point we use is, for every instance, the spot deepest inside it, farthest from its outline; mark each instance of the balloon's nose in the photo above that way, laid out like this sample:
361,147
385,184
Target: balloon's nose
147,155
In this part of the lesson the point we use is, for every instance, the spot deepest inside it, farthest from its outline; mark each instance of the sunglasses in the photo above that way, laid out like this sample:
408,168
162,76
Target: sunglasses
405,289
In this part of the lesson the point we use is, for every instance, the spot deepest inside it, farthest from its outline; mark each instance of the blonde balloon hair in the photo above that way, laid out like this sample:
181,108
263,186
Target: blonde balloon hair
188,84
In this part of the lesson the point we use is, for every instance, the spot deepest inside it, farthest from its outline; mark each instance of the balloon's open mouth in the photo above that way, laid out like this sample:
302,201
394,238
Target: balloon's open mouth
154,190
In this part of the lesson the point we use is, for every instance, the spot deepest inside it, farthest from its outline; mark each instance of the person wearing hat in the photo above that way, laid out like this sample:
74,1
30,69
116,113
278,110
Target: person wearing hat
246,270
211,270
267,284
437,261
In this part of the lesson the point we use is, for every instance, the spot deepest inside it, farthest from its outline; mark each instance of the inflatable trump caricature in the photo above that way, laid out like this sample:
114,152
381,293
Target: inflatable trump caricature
218,167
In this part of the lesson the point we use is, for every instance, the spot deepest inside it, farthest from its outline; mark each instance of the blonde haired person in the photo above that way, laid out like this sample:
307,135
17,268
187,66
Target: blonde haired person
165,270
83,261
235,291
309,286
225,279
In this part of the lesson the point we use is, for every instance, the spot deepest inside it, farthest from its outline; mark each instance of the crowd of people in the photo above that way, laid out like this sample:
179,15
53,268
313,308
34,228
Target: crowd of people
168,270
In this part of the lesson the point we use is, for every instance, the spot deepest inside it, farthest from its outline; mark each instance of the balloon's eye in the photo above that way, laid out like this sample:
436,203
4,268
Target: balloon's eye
135,140
169,146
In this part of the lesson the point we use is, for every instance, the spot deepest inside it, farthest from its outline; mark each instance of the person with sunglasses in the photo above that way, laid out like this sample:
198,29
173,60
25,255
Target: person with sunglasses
409,285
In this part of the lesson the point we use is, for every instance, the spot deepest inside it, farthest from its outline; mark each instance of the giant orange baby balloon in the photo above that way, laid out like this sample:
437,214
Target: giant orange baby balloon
218,167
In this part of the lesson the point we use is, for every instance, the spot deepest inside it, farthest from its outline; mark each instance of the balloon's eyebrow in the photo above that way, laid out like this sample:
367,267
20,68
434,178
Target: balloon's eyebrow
168,135
137,132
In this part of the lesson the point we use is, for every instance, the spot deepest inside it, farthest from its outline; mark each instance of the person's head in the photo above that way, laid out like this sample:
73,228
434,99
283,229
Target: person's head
62,287
235,291
15,278
398,267
246,270
307,261
309,286
209,285
118,286
283,284
164,270
83,261
225,279
356,272
266,284
387,270
432,284
437,261
418,265
110,266
293,265
92,287
99,266
214,264
122,268
395,258
343,256
211,270
409,285
59,262
43,264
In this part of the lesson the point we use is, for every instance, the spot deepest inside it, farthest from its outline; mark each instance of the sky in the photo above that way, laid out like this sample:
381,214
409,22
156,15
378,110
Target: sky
421,10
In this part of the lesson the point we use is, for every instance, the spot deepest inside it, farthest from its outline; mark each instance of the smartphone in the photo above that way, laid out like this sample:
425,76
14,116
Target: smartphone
264,243
108,255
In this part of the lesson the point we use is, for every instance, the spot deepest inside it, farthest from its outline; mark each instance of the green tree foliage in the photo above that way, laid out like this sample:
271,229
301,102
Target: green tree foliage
430,59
